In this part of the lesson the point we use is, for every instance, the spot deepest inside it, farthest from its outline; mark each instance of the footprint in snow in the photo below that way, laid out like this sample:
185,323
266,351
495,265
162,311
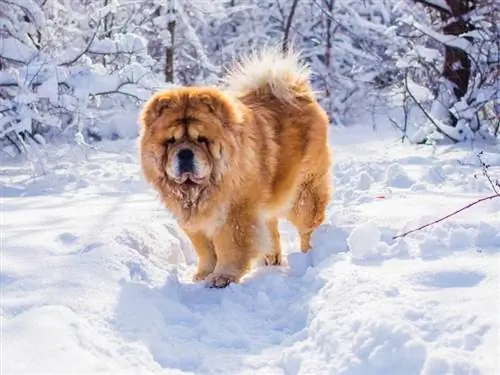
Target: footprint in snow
67,238
136,272
450,279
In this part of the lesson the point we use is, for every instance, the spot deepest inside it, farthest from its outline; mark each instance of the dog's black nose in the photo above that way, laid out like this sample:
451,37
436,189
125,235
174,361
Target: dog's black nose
185,154
185,157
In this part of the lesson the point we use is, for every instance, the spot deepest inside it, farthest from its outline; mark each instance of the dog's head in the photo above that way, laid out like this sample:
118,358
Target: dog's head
188,137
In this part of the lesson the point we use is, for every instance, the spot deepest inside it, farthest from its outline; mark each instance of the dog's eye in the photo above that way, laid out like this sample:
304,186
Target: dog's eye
170,141
202,140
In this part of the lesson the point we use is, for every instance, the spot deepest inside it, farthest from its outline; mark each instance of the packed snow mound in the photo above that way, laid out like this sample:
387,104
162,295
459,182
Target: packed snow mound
364,240
96,275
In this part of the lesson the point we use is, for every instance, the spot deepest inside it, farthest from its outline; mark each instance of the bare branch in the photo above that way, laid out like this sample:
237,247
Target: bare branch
10,84
5,110
12,60
36,84
447,216
116,53
67,63
14,143
117,91
485,167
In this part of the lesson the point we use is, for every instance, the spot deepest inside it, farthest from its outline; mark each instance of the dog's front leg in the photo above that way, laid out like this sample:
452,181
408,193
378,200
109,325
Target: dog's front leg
204,248
243,237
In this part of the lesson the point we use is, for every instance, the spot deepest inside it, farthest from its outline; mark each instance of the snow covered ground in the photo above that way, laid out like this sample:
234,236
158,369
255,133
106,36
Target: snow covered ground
95,276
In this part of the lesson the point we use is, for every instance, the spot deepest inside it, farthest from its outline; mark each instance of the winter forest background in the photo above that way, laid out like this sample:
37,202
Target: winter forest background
78,70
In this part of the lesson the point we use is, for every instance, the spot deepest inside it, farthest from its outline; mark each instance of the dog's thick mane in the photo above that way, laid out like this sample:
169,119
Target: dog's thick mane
270,73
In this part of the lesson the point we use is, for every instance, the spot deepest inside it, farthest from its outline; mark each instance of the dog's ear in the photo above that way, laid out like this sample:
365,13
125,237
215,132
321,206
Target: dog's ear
162,104
155,107
222,106
210,101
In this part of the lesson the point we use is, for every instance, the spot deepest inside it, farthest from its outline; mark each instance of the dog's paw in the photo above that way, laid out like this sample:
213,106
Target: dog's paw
273,259
200,275
219,281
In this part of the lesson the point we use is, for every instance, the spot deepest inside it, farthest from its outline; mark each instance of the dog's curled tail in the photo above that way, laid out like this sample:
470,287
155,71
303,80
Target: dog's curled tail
270,73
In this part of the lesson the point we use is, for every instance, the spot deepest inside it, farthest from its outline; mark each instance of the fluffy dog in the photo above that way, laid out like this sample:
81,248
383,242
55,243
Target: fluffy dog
229,162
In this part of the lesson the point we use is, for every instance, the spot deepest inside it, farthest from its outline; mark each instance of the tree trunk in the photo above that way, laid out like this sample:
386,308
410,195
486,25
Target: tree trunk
456,62
288,25
328,50
457,65
169,51
108,21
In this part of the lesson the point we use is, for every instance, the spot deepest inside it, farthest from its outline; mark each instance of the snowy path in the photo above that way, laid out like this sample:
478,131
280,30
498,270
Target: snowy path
95,277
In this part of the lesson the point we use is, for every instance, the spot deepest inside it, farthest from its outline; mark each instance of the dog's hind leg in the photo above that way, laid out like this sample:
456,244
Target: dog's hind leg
275,257
308,211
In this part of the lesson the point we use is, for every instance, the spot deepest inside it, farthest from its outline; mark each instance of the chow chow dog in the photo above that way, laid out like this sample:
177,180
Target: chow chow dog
228,162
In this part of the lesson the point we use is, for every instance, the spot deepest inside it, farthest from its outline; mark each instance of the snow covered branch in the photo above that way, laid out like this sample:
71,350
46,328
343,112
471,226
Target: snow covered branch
439,5
85,50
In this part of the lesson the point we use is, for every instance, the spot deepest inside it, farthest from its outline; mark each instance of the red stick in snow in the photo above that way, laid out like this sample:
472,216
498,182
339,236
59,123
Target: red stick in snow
447,216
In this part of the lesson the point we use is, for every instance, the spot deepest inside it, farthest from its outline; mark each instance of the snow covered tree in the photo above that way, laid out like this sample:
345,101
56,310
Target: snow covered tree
466,34
86,71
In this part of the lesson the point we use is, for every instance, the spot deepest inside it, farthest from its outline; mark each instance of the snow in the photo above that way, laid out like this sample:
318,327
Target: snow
96,276
363,240
13,49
